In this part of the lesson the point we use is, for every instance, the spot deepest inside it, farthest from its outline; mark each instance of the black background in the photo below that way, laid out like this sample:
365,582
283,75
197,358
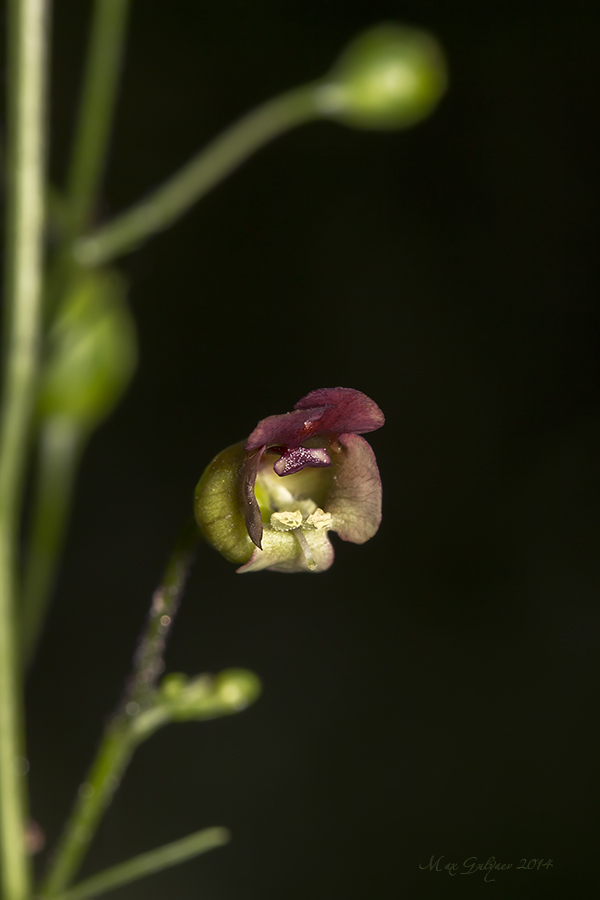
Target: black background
436,691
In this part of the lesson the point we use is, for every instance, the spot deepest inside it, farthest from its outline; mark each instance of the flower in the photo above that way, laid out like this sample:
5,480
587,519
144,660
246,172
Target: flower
269,502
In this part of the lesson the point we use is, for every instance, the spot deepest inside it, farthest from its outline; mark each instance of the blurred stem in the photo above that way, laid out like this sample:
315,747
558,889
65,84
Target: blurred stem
100,81
148,863
60,445
120,739
204,171
24,221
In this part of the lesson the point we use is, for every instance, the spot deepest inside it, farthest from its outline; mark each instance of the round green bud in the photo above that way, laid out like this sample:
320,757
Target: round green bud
92,352
237,688
389,77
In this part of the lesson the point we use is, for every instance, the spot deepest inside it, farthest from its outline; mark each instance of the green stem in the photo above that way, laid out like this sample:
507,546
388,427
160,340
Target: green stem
24,222
60,446
170,201
103,68
147,863
92,134
120,738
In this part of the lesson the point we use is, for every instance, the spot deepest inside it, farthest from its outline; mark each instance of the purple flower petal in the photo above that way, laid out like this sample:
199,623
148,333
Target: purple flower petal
354,498
289,429
327,411
346,410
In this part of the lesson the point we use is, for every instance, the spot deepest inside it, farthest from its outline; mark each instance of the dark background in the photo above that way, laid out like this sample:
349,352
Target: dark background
436,691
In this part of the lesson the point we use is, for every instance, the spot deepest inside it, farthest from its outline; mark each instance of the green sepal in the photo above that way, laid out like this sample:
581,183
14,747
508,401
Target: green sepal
218,506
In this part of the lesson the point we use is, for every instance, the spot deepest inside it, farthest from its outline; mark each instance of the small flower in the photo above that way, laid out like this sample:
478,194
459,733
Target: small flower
269,502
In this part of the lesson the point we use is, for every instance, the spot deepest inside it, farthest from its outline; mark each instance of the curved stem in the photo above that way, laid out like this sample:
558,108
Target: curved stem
170,201
103,67
26,80
120,739
60,446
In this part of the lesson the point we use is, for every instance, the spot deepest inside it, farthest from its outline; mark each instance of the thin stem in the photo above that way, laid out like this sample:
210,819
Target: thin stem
24,222
147,863
103,68
209,167
60,446
120,739
92,133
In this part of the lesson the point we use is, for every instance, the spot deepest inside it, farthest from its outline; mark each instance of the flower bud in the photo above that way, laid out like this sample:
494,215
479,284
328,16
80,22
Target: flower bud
389,77
92,352
183,699
207,696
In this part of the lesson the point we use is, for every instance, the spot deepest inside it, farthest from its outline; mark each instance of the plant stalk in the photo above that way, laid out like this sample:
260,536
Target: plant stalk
103,68
60,445
27,39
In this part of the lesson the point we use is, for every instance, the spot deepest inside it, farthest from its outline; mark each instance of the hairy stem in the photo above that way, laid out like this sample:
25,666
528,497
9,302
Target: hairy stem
170,201
24,222
120,738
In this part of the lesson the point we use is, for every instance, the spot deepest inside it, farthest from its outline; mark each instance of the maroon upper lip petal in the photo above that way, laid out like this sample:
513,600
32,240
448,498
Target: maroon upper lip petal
288,429
346,410
326,411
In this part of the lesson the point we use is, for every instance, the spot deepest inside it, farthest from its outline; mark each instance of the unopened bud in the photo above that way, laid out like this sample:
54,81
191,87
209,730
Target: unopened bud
92,352
389,77
182,699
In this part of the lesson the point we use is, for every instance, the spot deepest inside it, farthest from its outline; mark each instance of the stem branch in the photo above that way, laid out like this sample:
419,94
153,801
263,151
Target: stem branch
172,199
147,863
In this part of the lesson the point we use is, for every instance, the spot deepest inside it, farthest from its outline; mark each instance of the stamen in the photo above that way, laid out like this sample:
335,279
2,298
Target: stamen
310,560
319,520
286,521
